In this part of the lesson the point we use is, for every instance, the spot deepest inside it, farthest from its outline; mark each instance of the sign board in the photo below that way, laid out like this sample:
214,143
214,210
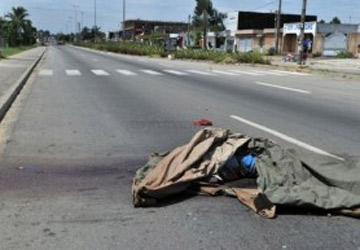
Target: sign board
231,22
295,28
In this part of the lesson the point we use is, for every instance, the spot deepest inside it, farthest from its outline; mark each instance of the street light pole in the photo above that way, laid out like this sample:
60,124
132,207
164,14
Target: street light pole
302,31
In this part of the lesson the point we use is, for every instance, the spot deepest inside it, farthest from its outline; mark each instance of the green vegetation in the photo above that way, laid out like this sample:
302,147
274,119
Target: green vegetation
222,57
152,50
206,18
344,55
335,20
127,48
14,50
16,29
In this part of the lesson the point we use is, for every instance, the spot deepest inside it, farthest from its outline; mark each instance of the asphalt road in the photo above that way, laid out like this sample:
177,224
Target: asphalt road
86,120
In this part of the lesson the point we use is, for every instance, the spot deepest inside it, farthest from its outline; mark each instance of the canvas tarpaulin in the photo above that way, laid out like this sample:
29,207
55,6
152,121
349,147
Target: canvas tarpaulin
282,177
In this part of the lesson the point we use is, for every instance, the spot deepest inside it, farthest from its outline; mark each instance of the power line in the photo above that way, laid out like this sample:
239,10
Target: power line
264,5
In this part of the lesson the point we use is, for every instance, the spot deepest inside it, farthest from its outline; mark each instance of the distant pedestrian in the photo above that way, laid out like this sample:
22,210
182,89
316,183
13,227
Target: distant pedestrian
306,49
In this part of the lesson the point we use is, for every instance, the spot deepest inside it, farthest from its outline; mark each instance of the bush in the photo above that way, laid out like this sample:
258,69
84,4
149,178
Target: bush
151,50
316,54
250,57
127,48
229,60
271,52
217,56
344,55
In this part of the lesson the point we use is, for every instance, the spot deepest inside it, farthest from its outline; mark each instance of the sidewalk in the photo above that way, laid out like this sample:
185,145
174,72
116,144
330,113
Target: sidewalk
344,66
13,73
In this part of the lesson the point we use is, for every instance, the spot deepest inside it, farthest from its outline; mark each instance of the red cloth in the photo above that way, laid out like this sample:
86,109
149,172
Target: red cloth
202,122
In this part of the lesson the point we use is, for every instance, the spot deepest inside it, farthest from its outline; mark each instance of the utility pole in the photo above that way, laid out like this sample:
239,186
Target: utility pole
188,31
94,20
124,16
302,31
278,23
205,17
82,20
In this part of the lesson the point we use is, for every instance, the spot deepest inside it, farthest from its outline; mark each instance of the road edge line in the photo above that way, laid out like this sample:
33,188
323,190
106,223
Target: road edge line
286,137
10,96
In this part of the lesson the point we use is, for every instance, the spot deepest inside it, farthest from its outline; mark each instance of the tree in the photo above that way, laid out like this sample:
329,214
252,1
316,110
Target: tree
335,20
207,17
19,29
322,21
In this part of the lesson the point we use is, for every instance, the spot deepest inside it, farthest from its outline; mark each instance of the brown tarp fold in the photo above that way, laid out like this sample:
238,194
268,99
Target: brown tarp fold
195,163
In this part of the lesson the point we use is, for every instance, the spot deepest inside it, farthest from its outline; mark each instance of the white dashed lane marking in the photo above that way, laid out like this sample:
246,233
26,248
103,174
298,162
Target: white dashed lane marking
100,72
245,72
201,72
283,87
224,73
267,73
73,72
291,72
151,72
175,72
285,137
46,72
126,72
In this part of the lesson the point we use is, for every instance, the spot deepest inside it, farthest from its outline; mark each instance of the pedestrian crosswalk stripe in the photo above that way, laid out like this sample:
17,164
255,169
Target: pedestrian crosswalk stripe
46,72
246,72
290,72
267,73
73,72
175,72
201,72
126,72
151,72
224,73
100,72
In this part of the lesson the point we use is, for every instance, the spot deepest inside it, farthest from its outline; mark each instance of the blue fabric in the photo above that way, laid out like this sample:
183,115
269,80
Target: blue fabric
248,163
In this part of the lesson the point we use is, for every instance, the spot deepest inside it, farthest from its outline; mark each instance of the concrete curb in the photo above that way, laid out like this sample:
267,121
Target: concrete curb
10,96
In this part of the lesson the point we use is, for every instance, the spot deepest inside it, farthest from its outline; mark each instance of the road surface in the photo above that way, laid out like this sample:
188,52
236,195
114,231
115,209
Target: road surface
86,120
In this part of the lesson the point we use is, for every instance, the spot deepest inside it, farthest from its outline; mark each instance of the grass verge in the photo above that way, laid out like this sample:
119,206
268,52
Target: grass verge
156,51
10,51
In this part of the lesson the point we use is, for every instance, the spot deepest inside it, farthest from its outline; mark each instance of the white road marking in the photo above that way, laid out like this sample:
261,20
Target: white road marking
245,72
100,72
151,72
282,87
46,72
285,137
201,72
126,72
165,65
73,72
291,72
224,73
267,73
175,72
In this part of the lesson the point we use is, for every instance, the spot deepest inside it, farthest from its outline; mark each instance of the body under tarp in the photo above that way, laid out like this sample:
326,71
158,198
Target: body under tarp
282,177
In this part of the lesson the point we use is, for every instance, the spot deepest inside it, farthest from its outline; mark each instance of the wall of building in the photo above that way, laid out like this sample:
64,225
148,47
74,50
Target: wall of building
354,43
318,45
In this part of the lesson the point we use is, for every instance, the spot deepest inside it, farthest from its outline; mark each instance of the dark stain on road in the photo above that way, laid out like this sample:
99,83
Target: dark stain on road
80,178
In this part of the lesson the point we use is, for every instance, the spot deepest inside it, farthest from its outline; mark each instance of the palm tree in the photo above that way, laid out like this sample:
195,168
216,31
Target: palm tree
207,17
18,27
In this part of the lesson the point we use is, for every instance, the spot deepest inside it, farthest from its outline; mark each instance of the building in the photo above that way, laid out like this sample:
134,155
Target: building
249,31
327,39
136,28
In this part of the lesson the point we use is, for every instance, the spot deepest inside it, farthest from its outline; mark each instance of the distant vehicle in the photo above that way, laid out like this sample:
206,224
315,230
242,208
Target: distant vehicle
60,43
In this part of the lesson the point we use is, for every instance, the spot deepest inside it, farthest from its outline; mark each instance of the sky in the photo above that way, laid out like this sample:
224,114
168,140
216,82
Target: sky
60,15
